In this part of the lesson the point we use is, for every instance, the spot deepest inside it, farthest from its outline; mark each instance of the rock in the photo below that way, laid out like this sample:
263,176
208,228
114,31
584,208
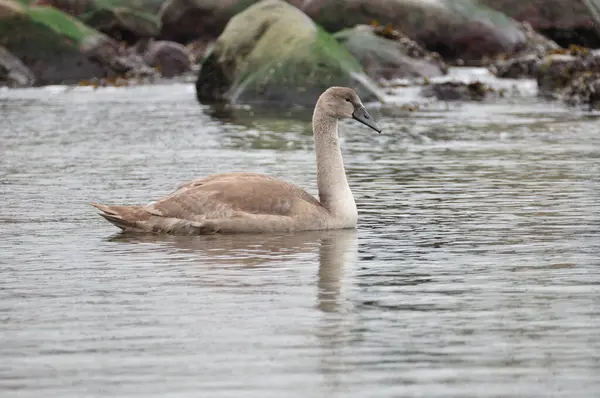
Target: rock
122,24
184,21
13,72
518,68
536,43
584,90
564,21
526,62
58,49
272,53
457,91
169,58
71,7
557,71
456,29
390,58
122,20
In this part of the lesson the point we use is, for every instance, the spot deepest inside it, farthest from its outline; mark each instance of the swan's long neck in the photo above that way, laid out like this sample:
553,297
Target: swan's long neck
334,192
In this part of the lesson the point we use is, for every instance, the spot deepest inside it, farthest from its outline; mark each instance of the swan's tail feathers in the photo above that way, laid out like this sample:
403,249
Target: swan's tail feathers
128,218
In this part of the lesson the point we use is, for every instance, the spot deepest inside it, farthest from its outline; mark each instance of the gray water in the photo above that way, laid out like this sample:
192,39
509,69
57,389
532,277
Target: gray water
474,271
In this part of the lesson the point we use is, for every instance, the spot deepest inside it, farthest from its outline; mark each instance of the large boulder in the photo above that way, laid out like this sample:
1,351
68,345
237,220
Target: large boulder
123,20
456,29
13,73
59,49
272,53
184,21
389,56
565,21
122,24
78,7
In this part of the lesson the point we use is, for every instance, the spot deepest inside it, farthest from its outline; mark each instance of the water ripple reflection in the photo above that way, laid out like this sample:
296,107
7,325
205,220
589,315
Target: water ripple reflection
474,270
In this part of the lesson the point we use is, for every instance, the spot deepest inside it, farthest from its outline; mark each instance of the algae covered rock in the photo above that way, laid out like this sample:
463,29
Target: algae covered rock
60,49
584,90
391,57
557,71
126,20
272,53
122,24
78,7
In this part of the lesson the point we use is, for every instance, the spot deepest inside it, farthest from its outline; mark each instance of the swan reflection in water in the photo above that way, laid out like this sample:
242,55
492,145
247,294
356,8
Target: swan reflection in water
337,255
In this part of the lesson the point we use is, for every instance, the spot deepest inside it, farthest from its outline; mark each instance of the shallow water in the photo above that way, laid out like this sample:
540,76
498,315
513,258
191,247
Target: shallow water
474,270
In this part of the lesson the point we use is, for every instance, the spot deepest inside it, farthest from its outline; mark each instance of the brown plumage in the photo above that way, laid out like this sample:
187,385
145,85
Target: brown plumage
243,198
249,202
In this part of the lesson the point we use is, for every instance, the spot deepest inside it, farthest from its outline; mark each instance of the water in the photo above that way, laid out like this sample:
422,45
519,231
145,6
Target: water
474,270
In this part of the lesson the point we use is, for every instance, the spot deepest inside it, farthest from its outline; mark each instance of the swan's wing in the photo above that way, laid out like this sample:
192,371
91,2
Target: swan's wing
228,195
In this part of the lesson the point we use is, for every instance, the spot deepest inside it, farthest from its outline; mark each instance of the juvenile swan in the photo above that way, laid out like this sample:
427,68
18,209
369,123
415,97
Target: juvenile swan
248,202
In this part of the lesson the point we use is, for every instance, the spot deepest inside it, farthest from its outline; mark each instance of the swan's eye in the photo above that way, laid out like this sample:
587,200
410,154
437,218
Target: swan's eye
348,99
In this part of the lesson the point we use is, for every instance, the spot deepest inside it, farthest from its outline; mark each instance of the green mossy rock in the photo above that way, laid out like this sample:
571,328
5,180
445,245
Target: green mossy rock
122,23
77,7
120,19
58,48
48,42
272,53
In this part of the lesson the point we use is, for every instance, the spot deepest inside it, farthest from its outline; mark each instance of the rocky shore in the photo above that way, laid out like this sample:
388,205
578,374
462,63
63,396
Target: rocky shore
286,52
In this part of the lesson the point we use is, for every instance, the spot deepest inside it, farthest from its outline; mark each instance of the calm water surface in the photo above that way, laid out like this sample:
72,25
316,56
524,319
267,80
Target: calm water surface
474,271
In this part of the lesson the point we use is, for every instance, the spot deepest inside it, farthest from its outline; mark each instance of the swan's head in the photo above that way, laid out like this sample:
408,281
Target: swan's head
343,102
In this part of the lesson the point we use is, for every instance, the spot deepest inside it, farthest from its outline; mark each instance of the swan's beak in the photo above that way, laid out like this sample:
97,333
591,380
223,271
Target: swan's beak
361,114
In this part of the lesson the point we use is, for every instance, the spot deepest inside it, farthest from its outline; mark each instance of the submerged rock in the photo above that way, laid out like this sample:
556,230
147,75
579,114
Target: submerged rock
564,21
59,49
458,91
272,53
391,56
13,72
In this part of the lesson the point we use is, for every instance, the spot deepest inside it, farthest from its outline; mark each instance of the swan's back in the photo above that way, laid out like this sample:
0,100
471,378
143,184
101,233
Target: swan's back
219,195
232,202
